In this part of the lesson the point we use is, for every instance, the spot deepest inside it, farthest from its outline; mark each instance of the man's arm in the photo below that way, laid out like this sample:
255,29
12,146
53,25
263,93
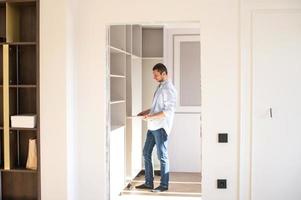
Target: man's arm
157,115
143,113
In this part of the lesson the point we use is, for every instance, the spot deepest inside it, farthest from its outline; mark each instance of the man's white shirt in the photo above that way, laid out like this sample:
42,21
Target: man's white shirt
164,100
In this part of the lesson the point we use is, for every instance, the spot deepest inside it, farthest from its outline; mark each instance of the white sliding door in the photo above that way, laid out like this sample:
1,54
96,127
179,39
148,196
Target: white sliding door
276,108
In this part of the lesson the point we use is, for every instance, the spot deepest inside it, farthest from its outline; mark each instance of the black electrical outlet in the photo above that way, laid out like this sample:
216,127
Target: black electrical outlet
223,137
221,183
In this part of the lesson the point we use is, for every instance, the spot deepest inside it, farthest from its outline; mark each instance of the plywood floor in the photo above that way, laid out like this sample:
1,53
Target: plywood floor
180,184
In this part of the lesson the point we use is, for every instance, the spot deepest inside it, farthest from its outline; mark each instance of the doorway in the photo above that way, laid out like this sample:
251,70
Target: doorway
133,49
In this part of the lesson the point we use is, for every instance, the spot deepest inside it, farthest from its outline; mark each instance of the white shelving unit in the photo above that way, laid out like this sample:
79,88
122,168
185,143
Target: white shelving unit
125,50
126,60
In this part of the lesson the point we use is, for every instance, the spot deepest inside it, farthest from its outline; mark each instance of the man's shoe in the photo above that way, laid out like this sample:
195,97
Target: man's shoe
159,189
143,186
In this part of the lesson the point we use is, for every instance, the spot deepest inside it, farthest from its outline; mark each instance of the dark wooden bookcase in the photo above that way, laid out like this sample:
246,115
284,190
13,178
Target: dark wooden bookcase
19,94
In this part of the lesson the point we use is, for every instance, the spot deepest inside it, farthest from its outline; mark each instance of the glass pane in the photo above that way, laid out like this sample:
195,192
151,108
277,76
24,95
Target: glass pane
190,75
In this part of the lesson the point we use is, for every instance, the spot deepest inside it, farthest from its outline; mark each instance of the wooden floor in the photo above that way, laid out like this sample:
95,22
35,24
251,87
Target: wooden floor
180,184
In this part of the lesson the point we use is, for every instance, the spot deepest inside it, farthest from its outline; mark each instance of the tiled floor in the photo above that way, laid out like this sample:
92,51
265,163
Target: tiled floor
181,186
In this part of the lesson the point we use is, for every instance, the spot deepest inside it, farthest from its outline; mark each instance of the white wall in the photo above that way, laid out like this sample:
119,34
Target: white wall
219,36
220,73
220,57
57,102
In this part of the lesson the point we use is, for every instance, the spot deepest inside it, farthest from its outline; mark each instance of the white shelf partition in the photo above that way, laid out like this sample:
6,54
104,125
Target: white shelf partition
137,40
129,38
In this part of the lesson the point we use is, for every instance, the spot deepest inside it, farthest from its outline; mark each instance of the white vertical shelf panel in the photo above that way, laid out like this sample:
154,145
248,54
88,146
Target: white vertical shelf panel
134,105
136,85
134,125
117,160
137,40
129,38
129,85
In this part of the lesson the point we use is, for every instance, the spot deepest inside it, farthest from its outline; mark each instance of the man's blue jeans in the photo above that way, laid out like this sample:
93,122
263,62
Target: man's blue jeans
158,138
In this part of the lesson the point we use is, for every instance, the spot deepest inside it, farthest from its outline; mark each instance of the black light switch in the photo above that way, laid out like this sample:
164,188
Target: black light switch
223,137
222,183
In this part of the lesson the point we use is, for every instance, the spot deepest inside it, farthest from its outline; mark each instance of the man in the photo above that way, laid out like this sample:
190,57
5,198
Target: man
159,120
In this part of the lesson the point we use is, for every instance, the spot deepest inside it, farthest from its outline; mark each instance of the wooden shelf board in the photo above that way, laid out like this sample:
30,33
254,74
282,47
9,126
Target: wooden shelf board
22,86
22,43
22,129
19,170
21,1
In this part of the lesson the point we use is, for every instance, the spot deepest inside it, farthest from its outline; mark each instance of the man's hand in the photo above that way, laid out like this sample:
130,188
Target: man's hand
158,115
143,113
147,116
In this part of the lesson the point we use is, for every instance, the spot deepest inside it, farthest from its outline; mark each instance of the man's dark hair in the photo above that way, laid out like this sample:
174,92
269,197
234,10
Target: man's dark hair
160,68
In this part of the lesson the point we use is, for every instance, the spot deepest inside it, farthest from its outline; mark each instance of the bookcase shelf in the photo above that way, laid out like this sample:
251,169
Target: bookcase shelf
1,150
2,21
19,170
22,86
19,43
21,15
118,37
117,63
19,67
116,50
117,101
117,76
23,129
22,101
22,61
152,42
117,89
118,114
125,50
1,65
